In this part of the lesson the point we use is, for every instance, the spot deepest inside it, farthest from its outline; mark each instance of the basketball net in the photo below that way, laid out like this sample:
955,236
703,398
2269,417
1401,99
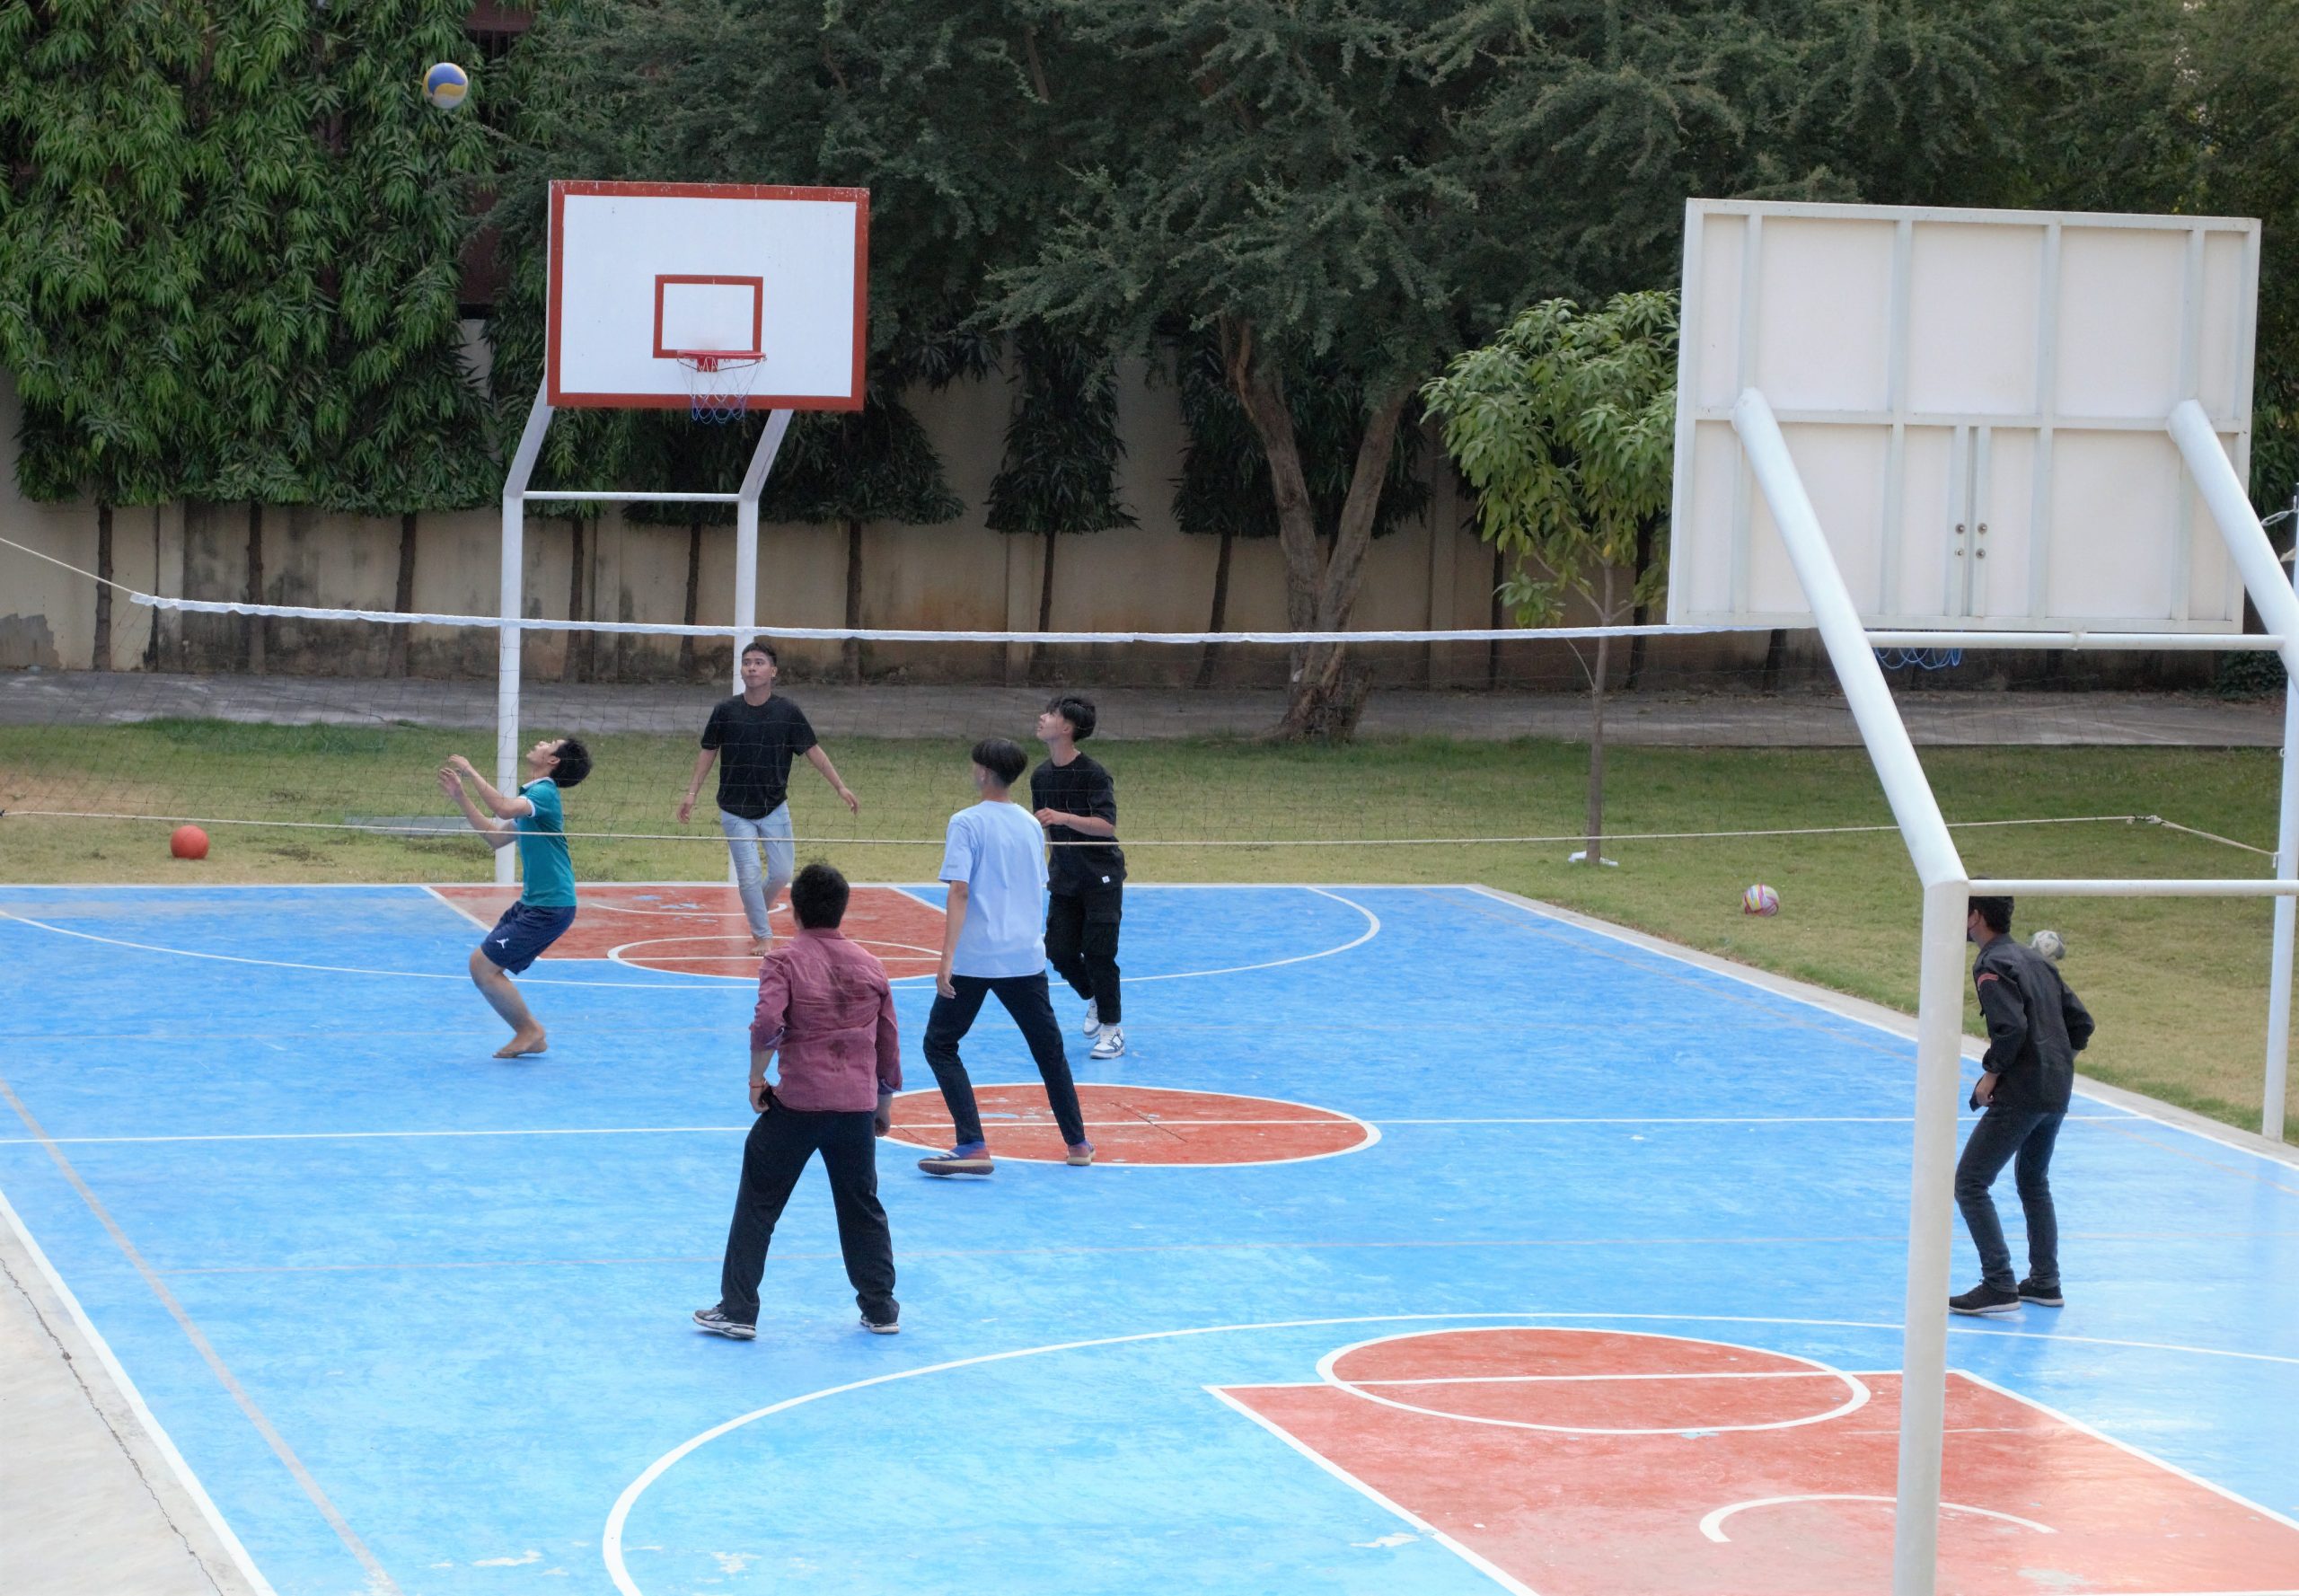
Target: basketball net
719,383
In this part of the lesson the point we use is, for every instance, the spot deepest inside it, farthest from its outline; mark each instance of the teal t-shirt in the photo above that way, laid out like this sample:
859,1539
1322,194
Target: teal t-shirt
544,860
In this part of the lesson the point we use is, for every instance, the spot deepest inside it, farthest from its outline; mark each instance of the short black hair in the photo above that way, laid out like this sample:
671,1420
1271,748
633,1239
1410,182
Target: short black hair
1996,911
1077,710
574,762
1002,758
818,896
761,646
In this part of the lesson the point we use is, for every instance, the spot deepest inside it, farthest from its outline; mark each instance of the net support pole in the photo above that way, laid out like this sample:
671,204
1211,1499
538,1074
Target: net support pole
1940,1012
514,593
2270,586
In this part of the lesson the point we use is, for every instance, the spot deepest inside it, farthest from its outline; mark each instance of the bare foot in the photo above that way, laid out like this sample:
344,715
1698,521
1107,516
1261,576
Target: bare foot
524,1043
761,946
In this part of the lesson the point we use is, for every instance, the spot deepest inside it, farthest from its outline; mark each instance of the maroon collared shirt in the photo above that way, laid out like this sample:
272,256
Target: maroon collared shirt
825,1004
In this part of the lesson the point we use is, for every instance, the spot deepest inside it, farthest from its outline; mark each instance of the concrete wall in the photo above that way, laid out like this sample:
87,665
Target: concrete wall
1432,573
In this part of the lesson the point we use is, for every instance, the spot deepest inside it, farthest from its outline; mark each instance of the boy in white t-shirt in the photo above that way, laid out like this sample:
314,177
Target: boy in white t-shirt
994,940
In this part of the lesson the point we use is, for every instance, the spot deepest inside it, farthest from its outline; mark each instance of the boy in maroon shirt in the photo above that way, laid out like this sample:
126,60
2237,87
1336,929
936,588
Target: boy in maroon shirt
824,1005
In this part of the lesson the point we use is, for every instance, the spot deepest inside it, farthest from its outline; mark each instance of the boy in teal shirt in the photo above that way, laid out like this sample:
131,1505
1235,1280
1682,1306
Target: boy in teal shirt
535,820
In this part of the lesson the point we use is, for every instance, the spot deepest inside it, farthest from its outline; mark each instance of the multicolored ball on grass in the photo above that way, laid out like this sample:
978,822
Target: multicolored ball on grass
1760,899
445,84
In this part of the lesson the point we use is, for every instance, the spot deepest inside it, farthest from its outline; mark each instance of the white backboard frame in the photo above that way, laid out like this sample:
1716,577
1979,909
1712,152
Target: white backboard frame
1960,387
639,272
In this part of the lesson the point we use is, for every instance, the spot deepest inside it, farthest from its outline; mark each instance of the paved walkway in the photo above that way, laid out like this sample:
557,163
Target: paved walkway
1802,717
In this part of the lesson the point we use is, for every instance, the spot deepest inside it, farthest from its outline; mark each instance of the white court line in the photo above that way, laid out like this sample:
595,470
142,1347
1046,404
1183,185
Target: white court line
1537,1380
485,925
1369,1132
1712,1526
610,1542
1492,1571
1852,1382
137,1406
379,1580
281,963
1797,991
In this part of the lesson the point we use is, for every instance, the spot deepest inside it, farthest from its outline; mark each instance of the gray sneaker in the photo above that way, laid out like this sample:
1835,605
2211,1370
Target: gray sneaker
1093,1026
1110,1044
719,1324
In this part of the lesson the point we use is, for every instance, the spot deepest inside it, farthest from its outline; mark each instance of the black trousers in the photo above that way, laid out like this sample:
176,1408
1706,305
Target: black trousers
2025,1140
1081,944
773,1158
1025,998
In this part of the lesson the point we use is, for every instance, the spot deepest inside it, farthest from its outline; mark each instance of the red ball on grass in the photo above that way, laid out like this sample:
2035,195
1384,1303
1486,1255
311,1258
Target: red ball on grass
189,842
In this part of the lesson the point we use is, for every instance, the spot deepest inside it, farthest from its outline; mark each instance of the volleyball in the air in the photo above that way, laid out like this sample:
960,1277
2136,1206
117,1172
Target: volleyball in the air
445,84
2050,944
1760,899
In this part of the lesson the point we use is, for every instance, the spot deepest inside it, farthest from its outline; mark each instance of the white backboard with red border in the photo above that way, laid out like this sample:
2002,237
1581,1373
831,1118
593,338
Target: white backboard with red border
1975,400
641,273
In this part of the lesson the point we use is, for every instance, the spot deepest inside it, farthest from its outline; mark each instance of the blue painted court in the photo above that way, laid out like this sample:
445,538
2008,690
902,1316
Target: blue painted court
1619,1227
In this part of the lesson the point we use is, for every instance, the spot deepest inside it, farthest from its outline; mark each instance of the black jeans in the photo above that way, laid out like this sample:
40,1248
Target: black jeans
1081,944
1025,998
2001,1135
773,1158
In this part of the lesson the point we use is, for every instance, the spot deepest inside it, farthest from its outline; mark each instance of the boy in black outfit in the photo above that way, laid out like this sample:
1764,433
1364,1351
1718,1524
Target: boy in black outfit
2035,1028
1077,803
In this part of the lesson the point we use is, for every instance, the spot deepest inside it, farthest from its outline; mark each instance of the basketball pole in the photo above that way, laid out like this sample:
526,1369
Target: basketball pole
513,592
1940,1010
2265,580
770,445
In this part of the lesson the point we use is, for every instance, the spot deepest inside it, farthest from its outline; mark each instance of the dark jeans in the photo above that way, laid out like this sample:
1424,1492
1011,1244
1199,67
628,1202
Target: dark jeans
1025,997
2001,1135
1081,945
773,1158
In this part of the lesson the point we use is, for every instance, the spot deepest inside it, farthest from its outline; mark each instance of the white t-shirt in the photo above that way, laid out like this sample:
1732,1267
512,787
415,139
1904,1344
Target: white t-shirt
998,851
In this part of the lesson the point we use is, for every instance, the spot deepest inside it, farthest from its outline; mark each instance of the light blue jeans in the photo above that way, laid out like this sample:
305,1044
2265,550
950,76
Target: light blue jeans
744,839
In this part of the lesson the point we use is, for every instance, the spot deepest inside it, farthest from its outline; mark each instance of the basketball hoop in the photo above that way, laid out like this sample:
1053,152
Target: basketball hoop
718,381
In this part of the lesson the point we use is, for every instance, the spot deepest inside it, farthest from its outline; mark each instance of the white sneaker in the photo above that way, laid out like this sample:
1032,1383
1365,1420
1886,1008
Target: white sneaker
1093,1026
1110,1043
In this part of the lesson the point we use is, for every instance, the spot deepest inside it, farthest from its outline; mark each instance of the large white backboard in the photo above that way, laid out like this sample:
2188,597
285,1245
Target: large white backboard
641,271
1975,400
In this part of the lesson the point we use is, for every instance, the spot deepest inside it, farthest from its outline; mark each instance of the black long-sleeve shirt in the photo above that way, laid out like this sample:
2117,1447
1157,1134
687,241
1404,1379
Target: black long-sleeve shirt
2035,1027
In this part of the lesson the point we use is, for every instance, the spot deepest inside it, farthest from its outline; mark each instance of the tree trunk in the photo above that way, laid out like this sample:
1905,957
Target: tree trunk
1210,661
1638,616
251,632
851,651
1775,651
1041,659
1498,621
100,657
1595,827
1320,589
403,596
579,643
152,641
693,594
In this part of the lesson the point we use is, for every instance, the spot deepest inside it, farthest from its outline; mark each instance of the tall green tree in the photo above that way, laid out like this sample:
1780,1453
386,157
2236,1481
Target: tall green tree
1564,425
1062,452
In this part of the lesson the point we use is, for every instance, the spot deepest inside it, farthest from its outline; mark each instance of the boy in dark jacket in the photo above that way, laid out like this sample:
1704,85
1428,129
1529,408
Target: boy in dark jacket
2035,1028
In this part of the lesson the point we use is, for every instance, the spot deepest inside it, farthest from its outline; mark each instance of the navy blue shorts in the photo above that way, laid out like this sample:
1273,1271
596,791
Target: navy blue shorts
523,933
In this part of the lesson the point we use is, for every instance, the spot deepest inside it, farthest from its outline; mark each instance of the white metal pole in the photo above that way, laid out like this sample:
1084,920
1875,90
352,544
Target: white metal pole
514,597
1940,1013
1923,1355
770,445
2265,581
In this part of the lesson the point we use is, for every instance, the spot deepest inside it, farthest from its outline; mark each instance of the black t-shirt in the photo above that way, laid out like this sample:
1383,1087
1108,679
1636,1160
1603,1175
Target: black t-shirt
1081,786
755,745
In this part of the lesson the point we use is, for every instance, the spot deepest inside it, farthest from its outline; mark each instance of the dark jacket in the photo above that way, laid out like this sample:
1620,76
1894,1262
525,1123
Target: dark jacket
2035,1027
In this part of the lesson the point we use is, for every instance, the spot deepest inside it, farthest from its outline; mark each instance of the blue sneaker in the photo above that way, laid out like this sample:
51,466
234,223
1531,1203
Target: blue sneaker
968,1158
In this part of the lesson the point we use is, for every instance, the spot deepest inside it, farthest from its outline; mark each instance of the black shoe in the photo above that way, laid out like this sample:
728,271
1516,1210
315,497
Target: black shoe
884,1326
719,1324
2042,1296
1983,1297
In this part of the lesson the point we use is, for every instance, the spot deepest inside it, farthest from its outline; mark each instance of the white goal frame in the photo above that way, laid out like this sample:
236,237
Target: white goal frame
1948,885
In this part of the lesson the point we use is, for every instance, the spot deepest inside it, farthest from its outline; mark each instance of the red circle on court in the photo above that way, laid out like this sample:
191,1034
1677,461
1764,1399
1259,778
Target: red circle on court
1602,1381
727,953
1142,1125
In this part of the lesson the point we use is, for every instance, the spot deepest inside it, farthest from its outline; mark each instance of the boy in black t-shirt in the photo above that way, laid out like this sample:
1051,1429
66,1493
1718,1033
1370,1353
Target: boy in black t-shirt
1077,803
757,733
